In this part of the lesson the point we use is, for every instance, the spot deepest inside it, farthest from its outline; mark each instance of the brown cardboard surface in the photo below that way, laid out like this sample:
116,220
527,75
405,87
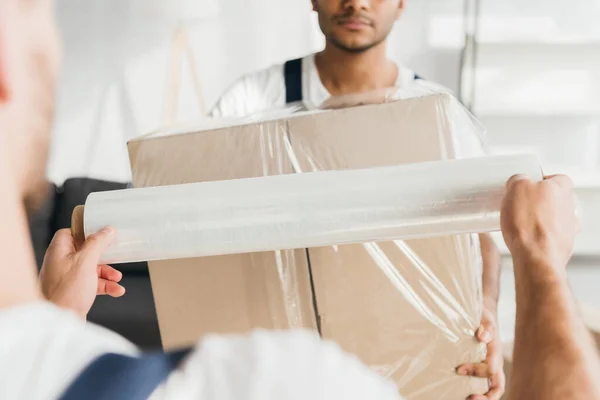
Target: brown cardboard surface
228,294
361,288
410,314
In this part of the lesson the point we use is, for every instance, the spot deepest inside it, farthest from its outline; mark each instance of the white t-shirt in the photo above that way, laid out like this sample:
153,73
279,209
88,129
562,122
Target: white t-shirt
44,348
265,90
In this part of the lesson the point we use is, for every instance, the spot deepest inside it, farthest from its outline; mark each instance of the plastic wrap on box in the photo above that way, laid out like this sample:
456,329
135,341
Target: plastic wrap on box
407,308
305,210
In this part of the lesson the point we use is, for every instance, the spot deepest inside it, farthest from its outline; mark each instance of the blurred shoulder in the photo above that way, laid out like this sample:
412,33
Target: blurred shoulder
253,92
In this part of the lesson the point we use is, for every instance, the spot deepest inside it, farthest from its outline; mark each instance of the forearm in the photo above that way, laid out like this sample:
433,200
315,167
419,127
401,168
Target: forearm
554,355
491,272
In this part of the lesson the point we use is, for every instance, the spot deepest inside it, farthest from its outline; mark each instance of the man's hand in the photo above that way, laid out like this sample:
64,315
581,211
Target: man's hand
554,355
539,222
71,279
492,367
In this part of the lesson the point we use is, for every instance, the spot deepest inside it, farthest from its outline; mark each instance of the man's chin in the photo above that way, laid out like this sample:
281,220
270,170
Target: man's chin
353,45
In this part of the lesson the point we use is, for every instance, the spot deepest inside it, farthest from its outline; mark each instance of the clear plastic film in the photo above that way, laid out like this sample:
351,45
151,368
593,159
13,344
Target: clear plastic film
305,210
407,308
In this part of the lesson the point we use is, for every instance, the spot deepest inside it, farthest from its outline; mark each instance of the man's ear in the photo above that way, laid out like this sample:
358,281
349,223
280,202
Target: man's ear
314,5
401,6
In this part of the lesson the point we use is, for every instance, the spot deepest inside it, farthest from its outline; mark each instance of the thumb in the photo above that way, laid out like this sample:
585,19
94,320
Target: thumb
62,242
95,245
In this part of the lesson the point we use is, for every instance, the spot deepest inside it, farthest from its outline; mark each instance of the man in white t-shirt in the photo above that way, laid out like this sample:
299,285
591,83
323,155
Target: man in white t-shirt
354,60
45,343
47,351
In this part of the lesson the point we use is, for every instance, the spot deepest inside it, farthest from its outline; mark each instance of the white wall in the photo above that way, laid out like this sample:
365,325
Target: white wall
114,75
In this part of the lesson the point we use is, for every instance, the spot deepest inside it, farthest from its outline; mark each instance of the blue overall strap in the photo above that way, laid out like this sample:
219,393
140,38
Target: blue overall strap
120,377
292,73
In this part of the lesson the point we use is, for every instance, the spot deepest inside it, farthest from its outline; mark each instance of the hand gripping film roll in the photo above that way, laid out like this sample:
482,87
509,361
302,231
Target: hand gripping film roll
303,210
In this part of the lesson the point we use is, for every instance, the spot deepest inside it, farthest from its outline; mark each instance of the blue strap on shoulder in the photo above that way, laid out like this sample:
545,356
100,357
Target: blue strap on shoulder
292,72
121,377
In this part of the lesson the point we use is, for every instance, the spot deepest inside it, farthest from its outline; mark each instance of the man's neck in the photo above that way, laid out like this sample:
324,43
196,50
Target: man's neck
18,277
343,72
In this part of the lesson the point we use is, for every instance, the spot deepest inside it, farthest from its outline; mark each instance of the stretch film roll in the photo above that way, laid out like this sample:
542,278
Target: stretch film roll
305,210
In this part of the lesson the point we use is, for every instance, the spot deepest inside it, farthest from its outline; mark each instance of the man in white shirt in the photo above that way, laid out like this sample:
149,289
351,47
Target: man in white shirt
354,60
46,346
45,342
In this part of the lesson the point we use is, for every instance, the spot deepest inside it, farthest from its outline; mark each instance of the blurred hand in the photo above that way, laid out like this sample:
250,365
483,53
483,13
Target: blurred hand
493,366
71,279
539,220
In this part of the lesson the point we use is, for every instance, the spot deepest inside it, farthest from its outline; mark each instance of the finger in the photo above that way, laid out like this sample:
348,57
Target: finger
514,179
478,397
110,288
494,358
98,243
63,240
113,289
479,370
109,273
493,394
497,387
562,181
485,333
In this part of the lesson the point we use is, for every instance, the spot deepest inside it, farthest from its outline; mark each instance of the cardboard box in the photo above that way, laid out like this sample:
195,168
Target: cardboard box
407,309
229,294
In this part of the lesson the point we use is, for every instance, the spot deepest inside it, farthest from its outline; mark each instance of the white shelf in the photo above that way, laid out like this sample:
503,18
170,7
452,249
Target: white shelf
532,112
538,85
446,30
570,44
535,78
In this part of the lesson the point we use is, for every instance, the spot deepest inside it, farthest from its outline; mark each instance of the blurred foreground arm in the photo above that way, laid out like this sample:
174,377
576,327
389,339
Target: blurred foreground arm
554,354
